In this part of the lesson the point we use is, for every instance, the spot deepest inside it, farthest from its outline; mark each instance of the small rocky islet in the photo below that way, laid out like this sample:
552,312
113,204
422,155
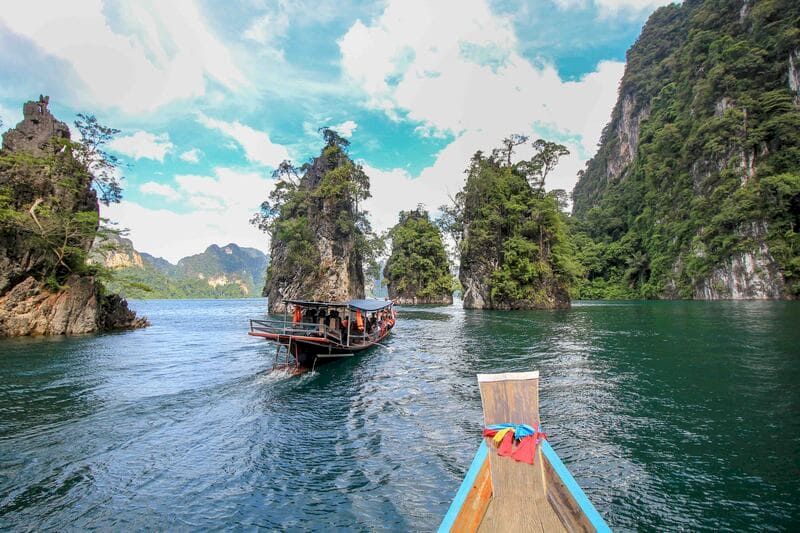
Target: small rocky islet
49,217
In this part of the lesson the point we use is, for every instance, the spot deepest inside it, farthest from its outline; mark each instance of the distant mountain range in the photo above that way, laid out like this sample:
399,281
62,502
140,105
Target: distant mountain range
229,271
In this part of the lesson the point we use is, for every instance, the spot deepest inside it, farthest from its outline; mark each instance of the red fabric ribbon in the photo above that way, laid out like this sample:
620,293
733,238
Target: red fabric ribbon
525,449
505,448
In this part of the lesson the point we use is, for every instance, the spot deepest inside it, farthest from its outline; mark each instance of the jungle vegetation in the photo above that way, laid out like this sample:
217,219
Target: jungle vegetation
717,171
418,265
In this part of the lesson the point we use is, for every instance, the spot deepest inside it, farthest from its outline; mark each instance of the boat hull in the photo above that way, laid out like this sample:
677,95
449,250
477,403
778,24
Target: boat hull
310,352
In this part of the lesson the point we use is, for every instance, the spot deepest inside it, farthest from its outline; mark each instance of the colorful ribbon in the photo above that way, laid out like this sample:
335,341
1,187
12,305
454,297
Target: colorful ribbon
505,435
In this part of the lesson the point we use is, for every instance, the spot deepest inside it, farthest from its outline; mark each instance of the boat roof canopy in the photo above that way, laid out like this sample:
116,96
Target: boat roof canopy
369,305
363,305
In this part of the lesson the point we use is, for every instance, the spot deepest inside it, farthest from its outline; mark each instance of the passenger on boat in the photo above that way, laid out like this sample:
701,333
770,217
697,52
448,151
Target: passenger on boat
310,316
345,326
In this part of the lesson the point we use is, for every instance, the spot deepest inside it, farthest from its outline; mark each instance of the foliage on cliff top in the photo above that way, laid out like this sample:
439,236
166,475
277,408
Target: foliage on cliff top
418,264
331,184
718,156
510,233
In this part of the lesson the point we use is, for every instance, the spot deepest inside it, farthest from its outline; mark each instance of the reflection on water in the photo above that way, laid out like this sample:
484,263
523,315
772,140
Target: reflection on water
670,414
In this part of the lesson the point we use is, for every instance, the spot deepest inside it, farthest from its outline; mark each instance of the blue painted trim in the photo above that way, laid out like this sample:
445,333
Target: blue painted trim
572,486
466,486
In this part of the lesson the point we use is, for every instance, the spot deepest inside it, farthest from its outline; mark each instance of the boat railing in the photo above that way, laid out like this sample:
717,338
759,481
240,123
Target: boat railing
278,326
282,327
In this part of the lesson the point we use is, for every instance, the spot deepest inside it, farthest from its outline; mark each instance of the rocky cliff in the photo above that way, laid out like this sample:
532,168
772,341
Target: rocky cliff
417,271
48,218
695,189
318,236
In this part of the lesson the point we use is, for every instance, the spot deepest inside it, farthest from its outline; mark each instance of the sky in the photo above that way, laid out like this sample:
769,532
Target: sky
211,96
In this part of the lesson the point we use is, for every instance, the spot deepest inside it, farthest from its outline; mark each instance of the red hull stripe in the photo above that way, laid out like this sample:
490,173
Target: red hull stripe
275,336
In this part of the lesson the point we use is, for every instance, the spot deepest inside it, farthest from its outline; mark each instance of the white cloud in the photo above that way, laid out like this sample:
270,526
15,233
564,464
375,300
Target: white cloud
472,82
346,128
136,56
159,189
10,117
270,28
443,87
258,147
143,144
223,205
171,235
191,156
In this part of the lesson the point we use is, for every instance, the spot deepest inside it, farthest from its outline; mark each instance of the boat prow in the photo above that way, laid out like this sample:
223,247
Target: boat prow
502,491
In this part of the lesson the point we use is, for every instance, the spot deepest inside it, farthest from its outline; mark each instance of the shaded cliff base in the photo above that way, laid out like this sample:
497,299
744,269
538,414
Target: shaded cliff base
415,300
30,308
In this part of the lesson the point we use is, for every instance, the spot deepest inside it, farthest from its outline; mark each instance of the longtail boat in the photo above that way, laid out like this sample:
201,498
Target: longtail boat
516,481
315,333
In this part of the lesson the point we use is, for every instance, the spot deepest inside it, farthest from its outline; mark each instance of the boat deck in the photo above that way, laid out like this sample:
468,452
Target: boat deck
520,515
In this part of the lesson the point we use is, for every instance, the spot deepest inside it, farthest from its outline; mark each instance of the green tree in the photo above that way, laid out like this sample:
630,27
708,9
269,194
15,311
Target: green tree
717,153
513,237
418,266
101,165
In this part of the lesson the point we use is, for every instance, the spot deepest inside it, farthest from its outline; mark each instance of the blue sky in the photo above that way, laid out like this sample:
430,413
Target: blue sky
211,95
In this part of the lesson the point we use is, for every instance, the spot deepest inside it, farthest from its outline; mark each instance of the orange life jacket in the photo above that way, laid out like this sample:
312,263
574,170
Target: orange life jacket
359,321
297,317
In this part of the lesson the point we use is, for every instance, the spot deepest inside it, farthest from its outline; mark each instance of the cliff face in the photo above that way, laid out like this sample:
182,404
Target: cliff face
417,271
314,252
44,191
695,189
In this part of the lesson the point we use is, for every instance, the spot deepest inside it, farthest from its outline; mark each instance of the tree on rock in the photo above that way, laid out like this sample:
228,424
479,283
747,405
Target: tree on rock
320,238
513,243
417,271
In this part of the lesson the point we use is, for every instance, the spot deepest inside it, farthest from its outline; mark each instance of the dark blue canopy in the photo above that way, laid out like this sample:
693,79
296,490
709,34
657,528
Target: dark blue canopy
369,305
364,305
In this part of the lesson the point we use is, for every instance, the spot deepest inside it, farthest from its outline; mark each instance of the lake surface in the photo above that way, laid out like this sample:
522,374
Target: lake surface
671,415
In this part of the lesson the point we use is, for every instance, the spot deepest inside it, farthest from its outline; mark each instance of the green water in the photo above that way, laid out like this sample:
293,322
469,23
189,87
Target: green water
671,415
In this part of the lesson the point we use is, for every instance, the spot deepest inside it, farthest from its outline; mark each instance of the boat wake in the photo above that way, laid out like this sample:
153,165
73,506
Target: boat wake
280,374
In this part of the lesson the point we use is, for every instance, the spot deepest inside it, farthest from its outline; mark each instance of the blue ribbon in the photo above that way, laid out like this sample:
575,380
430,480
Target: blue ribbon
520,430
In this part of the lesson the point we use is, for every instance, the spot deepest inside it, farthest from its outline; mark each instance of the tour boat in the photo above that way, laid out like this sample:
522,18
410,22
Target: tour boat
516,481
319,332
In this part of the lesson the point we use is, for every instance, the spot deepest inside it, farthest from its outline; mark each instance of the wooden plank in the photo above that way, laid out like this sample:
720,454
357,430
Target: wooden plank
474,507
567,498
519,501
476,478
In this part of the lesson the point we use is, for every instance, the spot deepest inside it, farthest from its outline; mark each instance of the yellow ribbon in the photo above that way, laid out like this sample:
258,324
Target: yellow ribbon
498,438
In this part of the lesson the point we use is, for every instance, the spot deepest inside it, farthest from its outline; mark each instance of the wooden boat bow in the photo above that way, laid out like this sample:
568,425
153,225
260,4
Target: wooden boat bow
499,493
